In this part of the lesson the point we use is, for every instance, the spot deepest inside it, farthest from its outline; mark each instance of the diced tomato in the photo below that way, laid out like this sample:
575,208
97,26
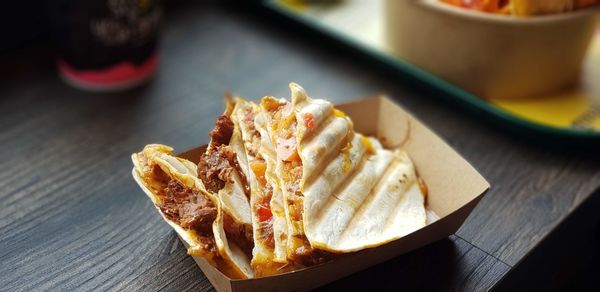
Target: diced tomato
286,149
309,120
264,213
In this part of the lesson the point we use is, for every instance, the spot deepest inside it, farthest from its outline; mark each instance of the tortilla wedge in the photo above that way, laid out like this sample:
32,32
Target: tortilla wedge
210,244
256,159
343,192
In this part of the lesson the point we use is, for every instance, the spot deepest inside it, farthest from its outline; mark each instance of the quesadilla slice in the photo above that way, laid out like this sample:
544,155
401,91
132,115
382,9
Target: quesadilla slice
262,254
173,186
221,169
279,222
343,191
280,127
262,187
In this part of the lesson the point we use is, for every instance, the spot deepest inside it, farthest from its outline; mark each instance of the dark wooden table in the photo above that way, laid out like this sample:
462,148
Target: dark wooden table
71,216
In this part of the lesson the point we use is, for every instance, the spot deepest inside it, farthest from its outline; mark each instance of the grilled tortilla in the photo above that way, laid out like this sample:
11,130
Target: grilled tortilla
261,189
279,222
280,128
195,214
222,170
343,191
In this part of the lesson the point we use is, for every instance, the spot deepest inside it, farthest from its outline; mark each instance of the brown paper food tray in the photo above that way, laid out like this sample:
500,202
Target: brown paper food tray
454,187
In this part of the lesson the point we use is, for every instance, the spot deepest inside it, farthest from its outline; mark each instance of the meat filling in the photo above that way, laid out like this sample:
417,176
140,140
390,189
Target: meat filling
310,257
214,168
217,163
265,218
222,132
184,206
238,233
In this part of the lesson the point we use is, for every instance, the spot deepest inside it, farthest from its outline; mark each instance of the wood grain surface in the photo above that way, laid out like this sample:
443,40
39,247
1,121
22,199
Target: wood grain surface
72,218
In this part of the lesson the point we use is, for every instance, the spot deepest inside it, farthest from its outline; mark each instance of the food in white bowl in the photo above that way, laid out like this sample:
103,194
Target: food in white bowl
523,7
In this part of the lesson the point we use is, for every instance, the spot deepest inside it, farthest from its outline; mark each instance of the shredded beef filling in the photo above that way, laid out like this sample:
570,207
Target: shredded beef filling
310,257
159,175
239,234
222,132
304,254
214,168
187,208
265,218
216,164
242,176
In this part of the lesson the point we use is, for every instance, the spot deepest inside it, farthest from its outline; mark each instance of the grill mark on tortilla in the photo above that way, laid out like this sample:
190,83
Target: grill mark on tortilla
371,196
329,155
339,188
409,179
403,198
309,135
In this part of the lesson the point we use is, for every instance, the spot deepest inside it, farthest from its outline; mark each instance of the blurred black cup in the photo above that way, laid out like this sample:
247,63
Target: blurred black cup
106,45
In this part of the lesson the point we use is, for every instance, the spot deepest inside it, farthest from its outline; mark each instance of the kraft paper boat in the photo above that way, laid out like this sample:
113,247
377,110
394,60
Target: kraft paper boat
454,188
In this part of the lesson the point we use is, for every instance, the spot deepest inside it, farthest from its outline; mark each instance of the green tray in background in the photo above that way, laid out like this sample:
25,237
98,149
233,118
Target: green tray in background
567,117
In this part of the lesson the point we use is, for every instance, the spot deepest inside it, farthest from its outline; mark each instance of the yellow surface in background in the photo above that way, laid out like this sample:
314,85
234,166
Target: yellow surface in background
294,4
570,108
